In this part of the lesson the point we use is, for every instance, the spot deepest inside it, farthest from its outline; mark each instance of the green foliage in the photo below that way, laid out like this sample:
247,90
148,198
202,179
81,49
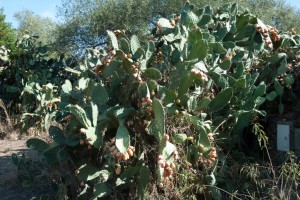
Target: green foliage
26,169
31,78
33,24
145,112
7,35
284,180
81,28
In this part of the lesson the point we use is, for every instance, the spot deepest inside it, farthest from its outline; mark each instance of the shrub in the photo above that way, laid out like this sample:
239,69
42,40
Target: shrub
160,117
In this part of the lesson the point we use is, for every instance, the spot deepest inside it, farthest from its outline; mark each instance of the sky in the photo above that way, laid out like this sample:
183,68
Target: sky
47,8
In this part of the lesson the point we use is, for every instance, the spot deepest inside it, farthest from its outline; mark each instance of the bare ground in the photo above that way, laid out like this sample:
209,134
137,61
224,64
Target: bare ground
10,187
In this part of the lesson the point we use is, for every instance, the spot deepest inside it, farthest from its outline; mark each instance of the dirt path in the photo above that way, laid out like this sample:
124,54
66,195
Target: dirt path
10,188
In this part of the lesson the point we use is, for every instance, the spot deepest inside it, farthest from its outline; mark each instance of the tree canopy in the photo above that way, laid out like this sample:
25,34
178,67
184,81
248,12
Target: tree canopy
86,22
44,27
7,34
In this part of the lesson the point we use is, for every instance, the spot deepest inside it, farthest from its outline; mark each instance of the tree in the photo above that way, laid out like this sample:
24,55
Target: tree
86,22
7,34
36,25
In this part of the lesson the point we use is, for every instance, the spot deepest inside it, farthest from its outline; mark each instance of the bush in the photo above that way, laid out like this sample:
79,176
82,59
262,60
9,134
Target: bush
160,117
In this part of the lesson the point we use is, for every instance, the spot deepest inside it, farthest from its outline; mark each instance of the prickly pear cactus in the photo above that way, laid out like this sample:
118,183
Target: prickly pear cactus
141,113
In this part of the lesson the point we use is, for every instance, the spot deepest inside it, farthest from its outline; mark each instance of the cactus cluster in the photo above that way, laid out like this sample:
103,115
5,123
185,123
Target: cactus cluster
167,168
199,74
270,34
117,154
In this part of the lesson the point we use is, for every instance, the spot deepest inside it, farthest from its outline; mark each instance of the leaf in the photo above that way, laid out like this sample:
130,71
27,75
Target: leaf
216,193
221,34
120,112
67,86
150,50
88,172
91,135
101,190
95,114
228,45
202,137
80,115
282,68
199,50
127,174
12,89
260,90
179,138
193,37
278,88
134,44
289,79
276,58
152,73
243,120
73,71
37,144
189,18
99,94
205,19
271,96
72,142
167,151
170,97
219,79
185,83
83,83
62,155
47,121
260,100
113,39
130,172
203,103
191,102
144,179
211,179
124,46
122,139
154,130
242,21
83,193
240,84
201,66
216,48
225,65
221,100
57,135
280,108
15,159
139,54
165,23
112,68
159,117
51,155
26,183
143,90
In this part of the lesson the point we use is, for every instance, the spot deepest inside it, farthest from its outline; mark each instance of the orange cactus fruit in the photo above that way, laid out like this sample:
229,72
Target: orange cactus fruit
166,137
118,170
83,130
130,152
111,149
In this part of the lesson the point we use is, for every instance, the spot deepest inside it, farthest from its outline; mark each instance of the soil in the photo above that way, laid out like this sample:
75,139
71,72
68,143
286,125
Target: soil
10,187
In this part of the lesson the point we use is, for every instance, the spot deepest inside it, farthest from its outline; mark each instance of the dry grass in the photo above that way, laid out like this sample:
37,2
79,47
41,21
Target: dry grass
6,126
